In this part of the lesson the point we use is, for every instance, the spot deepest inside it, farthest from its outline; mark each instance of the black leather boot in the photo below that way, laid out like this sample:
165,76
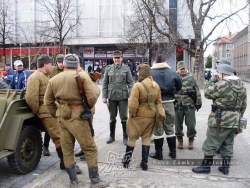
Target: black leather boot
158,149
46,144
60,155
80,153
205,166
127,157
144,161
225,165
112,133
172,146
125,136
95,180
72,176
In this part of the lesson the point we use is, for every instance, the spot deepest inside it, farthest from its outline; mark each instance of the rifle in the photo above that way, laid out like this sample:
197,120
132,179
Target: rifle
87,114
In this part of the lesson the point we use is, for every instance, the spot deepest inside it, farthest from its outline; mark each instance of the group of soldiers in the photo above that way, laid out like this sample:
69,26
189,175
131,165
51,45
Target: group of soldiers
53,95
180,98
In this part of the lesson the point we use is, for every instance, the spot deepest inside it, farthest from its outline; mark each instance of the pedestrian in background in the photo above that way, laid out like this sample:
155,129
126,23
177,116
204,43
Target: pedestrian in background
20,76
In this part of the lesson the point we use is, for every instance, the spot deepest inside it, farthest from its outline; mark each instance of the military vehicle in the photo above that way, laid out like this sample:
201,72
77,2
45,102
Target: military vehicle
20,132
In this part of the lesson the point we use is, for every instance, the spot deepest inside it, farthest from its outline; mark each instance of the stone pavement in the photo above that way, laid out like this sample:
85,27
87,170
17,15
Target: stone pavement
165,173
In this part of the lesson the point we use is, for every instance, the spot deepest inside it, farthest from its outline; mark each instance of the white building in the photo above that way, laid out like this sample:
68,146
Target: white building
95,37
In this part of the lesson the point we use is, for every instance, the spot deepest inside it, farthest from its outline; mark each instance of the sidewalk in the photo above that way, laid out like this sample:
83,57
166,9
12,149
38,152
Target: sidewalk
165,173
244,78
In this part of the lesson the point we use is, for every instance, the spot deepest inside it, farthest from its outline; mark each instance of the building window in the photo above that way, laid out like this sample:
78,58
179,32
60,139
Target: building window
228,55
229,47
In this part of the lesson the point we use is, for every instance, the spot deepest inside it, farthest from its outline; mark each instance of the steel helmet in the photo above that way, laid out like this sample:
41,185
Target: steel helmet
224,61
226,69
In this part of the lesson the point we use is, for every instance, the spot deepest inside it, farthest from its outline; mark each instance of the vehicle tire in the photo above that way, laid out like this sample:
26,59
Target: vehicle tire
4,85
28,151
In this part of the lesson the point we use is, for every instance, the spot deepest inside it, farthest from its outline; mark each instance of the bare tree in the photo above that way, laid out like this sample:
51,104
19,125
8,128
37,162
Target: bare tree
62,14
199,12
141,34
5,26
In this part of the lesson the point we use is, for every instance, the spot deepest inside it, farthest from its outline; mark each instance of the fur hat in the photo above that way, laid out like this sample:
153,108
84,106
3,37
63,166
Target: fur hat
144,71
44,59
59,58
71,60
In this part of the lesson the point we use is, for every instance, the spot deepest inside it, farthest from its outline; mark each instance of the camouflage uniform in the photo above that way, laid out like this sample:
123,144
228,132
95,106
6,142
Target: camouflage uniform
224,94
117,84
229,97
185,107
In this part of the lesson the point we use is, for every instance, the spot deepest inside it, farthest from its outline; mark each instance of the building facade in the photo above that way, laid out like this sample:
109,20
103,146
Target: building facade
241,53
98,32
223,48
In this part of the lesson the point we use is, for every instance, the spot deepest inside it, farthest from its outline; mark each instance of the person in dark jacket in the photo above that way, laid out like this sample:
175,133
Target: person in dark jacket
20,76
209,75
169,82
8,68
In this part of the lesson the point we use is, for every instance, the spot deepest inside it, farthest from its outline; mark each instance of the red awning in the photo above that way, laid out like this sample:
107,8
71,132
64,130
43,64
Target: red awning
32,50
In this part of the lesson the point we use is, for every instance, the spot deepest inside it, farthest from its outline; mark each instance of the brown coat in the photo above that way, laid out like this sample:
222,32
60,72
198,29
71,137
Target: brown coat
141,119
55,71
36,87
138,103
63,88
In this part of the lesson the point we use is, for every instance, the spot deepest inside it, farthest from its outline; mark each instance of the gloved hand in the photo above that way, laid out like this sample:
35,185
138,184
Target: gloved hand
197,107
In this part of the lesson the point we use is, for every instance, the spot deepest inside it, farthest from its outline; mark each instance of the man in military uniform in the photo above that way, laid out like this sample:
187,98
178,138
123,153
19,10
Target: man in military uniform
117,84
36,87
188,99
229,104
65,93
54,71
169,82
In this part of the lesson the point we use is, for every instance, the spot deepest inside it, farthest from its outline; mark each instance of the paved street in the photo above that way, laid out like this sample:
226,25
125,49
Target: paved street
165,173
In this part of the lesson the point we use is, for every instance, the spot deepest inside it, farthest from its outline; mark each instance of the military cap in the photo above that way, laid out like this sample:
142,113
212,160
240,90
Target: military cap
59,58
71,60
181,65
226,69
144,71
224,61
44,59
117,53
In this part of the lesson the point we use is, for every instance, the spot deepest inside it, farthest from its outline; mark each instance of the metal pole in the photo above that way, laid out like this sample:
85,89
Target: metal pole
20,51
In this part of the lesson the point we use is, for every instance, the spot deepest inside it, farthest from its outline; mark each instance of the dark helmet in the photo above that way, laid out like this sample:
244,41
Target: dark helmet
224,61
226,69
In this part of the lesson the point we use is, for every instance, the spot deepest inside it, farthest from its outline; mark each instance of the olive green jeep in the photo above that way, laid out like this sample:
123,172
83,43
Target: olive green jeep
20,132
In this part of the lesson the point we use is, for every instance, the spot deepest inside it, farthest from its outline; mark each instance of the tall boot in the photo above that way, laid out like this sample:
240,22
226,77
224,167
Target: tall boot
112,133
225,165
180,142
46,144
158,149
191,143
125,136
205,166
80,153
144,161
72,176
95,180
172,146
128,156
60,155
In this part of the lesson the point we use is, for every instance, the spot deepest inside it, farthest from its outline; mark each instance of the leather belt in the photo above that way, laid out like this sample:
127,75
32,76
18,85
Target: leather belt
73,106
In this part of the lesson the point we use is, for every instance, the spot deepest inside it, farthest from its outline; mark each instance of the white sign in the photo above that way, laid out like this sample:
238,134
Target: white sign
88,52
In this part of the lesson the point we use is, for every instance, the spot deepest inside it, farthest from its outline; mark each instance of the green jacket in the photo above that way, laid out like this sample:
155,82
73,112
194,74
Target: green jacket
227,94
188,83
117,83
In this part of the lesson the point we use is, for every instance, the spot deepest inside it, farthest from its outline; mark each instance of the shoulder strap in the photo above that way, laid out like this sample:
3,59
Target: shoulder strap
149,94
